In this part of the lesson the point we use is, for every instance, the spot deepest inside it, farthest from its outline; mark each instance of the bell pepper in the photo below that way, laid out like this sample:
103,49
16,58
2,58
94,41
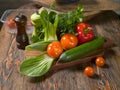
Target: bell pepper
84,33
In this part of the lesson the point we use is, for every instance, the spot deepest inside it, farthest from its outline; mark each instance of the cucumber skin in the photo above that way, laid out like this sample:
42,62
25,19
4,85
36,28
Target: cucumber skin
82,50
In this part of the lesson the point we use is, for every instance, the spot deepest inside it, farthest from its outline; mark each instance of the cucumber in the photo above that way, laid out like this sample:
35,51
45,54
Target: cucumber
81,50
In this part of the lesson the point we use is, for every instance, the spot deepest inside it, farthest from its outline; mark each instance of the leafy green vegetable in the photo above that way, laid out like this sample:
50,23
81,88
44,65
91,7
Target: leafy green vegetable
68,21
38,32
36,66
41,46
48,22
52,5
49,25
45,26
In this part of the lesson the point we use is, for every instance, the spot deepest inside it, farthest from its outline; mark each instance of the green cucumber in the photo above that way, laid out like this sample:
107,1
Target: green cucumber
81,50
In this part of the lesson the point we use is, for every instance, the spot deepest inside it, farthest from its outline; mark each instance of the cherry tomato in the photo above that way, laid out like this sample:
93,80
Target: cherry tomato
31,22
69,41
89,71
11,23
100,61
54,49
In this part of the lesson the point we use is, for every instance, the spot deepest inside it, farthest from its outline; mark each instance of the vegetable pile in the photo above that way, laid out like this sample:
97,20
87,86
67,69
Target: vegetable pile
64,38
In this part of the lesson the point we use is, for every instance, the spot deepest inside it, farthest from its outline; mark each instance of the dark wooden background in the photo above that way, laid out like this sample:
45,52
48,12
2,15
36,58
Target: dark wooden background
106,24
8,4
14,4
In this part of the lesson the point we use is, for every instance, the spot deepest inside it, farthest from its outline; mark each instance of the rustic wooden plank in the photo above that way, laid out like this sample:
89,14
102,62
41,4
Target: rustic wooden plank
105,24
89,5
109,28
11,4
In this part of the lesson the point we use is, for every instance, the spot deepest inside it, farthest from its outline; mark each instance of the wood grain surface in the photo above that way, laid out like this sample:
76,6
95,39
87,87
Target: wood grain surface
106,24
89,5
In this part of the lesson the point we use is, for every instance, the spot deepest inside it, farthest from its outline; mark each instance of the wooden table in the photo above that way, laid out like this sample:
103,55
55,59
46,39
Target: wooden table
89,5
106,24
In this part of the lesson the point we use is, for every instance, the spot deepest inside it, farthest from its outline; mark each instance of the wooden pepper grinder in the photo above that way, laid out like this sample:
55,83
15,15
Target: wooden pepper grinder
21,37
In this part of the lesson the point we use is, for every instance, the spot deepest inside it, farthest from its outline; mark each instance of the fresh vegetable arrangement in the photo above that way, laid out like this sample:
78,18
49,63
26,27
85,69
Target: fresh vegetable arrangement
62,36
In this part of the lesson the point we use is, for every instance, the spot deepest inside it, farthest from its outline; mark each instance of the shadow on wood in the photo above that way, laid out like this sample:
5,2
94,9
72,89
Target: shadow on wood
12,4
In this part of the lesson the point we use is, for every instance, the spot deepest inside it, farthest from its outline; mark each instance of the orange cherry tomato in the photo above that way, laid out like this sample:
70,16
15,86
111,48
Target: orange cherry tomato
11,23
31,22
89,71
54,49
69,41
100,61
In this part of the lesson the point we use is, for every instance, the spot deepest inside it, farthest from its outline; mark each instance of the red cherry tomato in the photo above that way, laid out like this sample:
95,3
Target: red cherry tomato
69,41
89,71
11,23
54,49
31,22
100,61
